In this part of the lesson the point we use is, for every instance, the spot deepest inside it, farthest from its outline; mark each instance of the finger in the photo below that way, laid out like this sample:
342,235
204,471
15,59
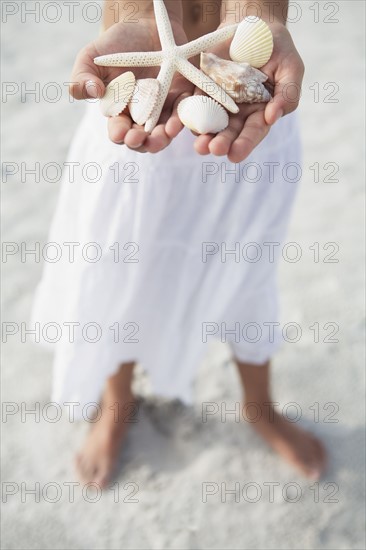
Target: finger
287,93
220,145
255,129
118,127
201,145
86,81
157,140
174,126
136,137
170,126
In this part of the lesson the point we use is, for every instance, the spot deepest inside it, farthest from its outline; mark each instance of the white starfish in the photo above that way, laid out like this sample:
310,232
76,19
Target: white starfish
174,58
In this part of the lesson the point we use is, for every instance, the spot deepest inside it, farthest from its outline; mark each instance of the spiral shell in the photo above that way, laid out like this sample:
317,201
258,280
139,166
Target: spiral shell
252,42
203,115
117,95
241,81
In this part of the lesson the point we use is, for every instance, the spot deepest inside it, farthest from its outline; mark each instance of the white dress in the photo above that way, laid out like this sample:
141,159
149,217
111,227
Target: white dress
159,283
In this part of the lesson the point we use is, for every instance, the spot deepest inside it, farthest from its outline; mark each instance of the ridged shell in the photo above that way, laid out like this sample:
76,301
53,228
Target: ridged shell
144,99
203,115
241,81
252,43
117,95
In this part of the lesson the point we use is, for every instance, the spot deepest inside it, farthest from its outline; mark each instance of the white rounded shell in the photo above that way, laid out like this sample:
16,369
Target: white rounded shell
252,43
203,115
144,99
117,95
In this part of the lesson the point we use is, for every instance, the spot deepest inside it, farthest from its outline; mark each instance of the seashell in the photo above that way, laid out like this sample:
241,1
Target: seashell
144,99
239,80
117,95
203,115
252,42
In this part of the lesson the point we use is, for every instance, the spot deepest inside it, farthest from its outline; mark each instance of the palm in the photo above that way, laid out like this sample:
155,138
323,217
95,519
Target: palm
124,37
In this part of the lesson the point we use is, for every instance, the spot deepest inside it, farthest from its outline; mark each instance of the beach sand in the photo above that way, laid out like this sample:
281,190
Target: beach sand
170,453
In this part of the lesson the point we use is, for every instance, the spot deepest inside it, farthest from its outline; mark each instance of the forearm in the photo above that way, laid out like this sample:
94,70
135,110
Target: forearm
234,11
131,11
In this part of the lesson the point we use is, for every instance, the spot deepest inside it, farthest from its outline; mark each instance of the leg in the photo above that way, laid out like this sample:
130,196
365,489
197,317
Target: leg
98,457
295,445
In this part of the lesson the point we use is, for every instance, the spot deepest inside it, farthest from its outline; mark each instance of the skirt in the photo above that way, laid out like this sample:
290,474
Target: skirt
150,258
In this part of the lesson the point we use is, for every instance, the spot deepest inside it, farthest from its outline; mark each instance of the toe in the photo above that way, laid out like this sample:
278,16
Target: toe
87,470
311,461
103,475
320,458
77,464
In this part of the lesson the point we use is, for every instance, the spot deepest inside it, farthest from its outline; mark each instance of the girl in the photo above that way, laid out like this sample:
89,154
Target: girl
164,228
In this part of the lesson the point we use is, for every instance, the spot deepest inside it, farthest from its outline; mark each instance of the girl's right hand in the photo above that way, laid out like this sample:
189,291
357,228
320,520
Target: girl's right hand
89,81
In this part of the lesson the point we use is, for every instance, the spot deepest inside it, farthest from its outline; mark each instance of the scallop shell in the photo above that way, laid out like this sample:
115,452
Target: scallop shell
252,42
117,95
239,80
144,99
203,115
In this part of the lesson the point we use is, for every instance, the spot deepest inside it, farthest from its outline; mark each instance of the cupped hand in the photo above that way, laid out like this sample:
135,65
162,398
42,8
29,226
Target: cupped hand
89,81
249,127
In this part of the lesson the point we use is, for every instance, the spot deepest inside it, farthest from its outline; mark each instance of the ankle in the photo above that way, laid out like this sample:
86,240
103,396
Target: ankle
258,398
258,407
117,417
118,395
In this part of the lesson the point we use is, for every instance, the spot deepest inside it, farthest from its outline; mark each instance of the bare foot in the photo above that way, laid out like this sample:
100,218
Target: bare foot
297,446
97,459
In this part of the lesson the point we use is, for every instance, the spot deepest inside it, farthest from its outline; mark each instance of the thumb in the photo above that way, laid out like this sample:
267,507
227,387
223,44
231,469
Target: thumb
287,94
285,100
85,79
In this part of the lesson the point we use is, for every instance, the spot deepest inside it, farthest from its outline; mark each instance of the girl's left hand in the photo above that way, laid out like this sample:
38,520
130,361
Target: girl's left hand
253,122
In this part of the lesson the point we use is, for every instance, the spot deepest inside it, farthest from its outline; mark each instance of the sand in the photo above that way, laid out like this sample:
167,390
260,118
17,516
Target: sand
171,455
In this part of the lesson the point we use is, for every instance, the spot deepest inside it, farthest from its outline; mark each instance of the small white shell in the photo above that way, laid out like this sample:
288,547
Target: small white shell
203,115
252,43
144,99
117,95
